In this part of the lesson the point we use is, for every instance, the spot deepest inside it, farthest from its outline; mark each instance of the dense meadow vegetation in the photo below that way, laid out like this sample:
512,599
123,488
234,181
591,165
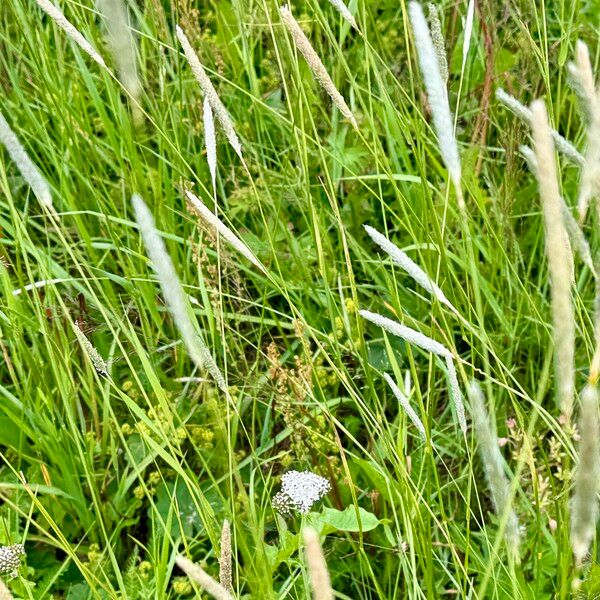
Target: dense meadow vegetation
118,452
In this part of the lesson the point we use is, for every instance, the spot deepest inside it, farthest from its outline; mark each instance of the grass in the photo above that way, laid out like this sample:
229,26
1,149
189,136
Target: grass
107,479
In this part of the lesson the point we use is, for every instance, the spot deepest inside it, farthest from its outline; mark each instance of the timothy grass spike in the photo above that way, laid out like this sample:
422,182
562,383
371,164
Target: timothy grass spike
122,45
210,93
405,404
173,293
225,570
223,230
456,394
439,44
59,18
210,142
524,113
406,263
197,574
314,62
346,14
584,504
26,166
97,361
560,258
318,572
437,95
493,465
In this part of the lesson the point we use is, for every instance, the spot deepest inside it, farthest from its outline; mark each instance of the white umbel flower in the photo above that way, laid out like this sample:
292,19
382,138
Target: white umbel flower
209,92
210,141
346,14
436,94
405,404
10,559
299,491
406,263
584,504
560,258
314,62
493,465
223,230
173,293
59,18
27,168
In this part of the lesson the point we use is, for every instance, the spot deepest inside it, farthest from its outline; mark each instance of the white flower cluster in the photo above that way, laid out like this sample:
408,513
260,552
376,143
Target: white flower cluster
299,491
10,558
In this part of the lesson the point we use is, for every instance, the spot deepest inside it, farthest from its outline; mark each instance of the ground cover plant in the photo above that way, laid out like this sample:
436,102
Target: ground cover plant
299,300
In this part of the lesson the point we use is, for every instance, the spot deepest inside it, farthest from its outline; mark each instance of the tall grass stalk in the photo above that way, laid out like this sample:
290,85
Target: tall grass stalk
437,95
493,465
318,572
198,575
209,92
314,62
584,504
26,166
59,18
560,258
173,292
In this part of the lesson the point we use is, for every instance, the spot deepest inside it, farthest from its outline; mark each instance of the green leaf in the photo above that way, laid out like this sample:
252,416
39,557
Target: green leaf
348,520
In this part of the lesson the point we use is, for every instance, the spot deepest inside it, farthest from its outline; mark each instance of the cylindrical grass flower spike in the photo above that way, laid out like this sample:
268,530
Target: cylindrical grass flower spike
318,573
59,18
209,92
27,168
223,230
197,574
493,465
456,395
426,343
406,333
96,359
524,113
576,235
314,62
346,14
225,570
406,263
589,184
583,78
439,44
173,293
437,95
5,592
584,504
405,404
560,258
121,44
210,141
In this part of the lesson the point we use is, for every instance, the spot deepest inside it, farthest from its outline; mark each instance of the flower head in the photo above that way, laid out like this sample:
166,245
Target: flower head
10,558
299,491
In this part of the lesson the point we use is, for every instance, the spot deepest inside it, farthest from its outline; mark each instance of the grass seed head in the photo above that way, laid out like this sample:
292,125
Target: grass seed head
318,573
